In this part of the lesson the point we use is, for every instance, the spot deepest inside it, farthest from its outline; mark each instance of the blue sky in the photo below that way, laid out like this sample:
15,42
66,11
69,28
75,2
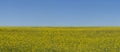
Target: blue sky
59,12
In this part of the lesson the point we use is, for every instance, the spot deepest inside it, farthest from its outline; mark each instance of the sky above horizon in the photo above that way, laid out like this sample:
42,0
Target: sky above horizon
59,12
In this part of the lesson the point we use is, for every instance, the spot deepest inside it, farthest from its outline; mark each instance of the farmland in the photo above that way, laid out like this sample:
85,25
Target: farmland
59,39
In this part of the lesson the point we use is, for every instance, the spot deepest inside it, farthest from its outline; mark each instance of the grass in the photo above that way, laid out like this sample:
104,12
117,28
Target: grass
59,39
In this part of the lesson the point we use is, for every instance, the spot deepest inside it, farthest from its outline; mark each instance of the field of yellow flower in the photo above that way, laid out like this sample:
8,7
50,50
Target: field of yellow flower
59,39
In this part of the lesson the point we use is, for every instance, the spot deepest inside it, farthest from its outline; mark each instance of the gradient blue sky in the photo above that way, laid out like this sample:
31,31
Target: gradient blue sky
59,12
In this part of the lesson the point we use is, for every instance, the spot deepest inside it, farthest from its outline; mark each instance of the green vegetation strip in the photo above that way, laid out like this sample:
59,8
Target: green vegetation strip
59,39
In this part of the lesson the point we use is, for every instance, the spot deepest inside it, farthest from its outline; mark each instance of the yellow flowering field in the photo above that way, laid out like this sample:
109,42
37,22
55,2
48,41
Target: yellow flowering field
59,39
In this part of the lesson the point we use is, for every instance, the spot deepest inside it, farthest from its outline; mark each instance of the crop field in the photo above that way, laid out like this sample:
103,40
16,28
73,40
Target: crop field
59,39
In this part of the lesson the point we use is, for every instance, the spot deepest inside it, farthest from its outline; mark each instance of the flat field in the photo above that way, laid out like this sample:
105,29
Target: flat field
59,39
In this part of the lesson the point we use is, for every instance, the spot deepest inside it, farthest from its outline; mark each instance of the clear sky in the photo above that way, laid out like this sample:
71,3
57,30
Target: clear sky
59,12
